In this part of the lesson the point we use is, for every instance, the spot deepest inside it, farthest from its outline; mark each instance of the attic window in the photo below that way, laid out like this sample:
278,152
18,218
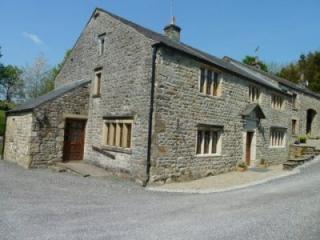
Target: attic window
101,40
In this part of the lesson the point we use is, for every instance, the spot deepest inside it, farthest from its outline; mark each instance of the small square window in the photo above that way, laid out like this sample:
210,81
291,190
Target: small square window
117,133
277,137
208,141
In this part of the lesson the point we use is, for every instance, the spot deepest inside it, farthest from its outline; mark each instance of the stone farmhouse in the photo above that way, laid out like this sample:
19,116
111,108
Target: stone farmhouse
145,105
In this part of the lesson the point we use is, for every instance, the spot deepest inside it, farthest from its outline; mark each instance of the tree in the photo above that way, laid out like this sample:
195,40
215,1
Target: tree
11,84
38,77
307,68
56,70
254,61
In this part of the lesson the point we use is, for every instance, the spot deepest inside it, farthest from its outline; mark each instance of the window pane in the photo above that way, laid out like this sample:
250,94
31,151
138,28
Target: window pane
199,140
206,142
214,141
215,84
128,135
209,83
202,80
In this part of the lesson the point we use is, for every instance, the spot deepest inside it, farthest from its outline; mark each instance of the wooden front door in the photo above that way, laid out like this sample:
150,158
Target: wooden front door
248,147
74,139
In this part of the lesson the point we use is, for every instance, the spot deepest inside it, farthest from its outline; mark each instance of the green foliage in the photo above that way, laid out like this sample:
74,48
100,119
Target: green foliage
39,77
302,139
57,68
254,61
11,83
306,68
5,105
242,165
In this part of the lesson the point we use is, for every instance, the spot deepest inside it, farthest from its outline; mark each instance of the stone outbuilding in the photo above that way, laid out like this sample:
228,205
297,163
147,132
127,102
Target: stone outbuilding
35,131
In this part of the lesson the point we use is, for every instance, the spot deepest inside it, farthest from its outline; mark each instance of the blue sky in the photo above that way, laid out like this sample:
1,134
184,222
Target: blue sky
282,28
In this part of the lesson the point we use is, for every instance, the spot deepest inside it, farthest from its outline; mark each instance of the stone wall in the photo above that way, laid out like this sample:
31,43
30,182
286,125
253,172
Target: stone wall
180,107
125,90
305,102
18,139
49,122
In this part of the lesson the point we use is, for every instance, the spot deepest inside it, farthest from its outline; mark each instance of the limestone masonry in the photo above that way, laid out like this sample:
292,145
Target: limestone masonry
157,110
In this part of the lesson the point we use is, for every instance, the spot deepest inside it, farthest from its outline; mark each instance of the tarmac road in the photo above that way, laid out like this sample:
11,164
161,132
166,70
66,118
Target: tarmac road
41,204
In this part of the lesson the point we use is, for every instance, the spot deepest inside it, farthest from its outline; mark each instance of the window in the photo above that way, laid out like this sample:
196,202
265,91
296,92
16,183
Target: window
294,127
96,86
101,40
277,102
208,141
117,133
254,94
277,137
294,101
209,82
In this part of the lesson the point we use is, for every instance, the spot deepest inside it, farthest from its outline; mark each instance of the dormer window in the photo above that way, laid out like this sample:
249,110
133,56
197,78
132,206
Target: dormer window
101,40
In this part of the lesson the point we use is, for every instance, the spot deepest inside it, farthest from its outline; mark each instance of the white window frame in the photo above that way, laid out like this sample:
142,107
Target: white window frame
212,130
116,135
278,137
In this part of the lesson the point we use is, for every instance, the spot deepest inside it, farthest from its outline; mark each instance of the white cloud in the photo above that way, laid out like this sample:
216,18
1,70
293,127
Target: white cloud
33,37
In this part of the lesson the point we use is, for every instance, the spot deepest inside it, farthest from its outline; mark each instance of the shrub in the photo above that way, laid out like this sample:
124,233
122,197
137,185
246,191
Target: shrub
242,165
302,139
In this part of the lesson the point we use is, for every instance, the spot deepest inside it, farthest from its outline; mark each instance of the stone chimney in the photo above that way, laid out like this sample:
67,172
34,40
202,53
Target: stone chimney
173,31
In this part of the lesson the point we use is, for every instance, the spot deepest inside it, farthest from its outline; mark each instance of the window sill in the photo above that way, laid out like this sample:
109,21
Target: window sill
208,155
211,96
106,149
96,96
276,147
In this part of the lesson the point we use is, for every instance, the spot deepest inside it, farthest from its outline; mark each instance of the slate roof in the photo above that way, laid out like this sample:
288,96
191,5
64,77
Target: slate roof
253,107
284,82
245,71
30,105
220,63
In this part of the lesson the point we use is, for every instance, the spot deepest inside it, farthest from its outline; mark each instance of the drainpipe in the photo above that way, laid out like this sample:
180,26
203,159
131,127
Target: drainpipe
4,135
153,76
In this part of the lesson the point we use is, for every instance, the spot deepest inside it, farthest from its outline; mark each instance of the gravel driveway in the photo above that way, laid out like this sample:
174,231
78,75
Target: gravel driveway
40,204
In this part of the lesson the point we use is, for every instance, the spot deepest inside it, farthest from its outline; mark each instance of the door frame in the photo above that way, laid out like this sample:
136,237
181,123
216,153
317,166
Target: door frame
74,118
253,147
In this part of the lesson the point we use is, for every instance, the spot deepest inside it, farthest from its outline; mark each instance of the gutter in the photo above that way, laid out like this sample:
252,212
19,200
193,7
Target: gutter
153,76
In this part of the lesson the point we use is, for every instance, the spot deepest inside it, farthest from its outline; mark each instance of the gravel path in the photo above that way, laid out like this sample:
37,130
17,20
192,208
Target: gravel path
40,205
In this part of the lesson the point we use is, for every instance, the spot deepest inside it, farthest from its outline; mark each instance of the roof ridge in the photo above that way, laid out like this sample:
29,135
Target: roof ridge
280,80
